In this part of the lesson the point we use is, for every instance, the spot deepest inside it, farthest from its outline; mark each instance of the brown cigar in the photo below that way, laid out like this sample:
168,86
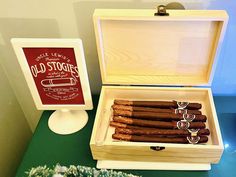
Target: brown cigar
122,125
158,116
203,139
157,110
157,104
157,124
151,131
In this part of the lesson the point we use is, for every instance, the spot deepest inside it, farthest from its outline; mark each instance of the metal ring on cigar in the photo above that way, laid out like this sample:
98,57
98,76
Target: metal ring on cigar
182,105
181,111
193,139
183,125
193,132
189,117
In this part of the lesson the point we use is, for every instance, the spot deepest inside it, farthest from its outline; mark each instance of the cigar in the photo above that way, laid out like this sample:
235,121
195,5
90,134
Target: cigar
151,131
157,104
122,125
160,116
184,140
156,124
122,128
157,110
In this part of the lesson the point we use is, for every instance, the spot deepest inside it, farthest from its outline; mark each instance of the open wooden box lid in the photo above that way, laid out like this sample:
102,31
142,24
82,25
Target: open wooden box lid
137,48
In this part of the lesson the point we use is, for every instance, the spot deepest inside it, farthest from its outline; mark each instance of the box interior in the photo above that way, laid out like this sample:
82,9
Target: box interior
151,52
104,131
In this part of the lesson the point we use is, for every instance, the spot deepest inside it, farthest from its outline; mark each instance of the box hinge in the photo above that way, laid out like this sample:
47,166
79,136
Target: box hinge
161,11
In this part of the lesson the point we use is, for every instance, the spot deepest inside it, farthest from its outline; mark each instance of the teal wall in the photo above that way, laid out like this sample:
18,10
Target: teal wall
224,82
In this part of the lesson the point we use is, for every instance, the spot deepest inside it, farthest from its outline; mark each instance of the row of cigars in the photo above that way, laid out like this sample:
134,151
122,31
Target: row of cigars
159,121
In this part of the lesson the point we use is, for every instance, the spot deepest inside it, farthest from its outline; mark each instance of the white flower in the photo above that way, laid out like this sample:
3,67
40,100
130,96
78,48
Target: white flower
64,169
60,169
57,175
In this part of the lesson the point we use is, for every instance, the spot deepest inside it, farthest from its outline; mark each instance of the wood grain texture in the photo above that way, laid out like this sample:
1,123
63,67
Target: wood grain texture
155,53
104,148
136,48
144,153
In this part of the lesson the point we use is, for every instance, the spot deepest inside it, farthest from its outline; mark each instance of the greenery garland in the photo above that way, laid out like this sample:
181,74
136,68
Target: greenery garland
74,171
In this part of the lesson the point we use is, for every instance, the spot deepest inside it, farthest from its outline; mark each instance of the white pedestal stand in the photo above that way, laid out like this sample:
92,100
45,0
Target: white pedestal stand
66,121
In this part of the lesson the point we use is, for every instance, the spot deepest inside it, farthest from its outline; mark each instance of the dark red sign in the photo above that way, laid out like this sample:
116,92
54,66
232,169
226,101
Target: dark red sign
55,74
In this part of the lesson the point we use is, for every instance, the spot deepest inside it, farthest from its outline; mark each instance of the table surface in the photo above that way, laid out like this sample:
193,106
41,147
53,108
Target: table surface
48,148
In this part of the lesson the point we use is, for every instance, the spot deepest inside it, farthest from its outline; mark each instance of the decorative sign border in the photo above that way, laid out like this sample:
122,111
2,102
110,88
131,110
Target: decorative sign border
55,71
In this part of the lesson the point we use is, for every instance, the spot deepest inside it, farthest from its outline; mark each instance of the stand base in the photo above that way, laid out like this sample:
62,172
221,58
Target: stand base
131,165
65,121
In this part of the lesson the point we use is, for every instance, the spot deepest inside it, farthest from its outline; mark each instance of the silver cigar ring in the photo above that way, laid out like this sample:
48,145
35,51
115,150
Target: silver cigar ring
181,111
182,105
183,124
194,132
193,139
189,117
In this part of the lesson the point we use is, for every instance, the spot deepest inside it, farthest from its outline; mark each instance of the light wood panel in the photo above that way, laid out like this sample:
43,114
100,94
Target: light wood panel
135,47
136,153
105,148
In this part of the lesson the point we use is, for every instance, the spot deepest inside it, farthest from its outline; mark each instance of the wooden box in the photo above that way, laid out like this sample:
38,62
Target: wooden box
139,53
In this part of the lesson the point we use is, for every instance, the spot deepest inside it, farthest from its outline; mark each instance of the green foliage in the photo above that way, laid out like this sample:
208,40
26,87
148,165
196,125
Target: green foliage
74,171
40,171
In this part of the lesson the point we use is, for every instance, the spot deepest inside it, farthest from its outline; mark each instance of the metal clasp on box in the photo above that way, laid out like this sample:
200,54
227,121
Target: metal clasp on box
161,11
157,148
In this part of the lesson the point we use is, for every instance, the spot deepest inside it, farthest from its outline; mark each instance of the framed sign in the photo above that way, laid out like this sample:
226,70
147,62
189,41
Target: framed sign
56,75
55,71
